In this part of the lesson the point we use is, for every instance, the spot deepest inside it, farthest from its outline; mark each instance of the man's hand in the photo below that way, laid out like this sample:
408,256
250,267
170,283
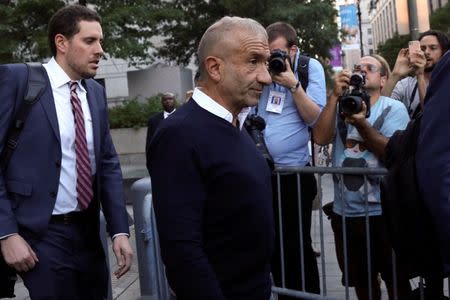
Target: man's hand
341,82
418,62
124,254
18,254
402,65
357,119
286,78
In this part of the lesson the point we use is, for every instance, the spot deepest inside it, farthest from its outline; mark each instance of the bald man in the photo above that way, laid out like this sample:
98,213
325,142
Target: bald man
211,187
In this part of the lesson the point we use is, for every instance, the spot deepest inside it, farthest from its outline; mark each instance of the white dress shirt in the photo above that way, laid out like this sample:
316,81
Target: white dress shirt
66,200
166,114
207,103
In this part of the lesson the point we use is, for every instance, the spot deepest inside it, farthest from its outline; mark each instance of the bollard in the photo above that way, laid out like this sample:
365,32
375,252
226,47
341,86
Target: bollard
103,238
152,277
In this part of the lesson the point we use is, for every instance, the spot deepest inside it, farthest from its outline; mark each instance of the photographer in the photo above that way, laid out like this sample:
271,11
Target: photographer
290,112
359,133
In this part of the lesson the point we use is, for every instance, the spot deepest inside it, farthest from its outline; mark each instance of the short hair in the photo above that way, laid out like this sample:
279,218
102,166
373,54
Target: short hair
65,21
440,36
217,37
282,29
385,69
167,95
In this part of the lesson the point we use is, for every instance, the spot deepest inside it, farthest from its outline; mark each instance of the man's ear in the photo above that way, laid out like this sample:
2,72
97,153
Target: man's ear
293,50
213,66
383,80
61,43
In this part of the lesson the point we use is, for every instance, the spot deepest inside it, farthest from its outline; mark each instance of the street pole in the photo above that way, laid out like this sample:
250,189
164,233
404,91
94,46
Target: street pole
413,21
360,29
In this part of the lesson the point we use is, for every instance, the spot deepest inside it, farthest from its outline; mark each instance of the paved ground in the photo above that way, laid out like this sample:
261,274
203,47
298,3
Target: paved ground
127,288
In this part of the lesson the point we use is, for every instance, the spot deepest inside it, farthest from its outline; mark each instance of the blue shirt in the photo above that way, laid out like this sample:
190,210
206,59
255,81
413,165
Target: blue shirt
388,115
287,134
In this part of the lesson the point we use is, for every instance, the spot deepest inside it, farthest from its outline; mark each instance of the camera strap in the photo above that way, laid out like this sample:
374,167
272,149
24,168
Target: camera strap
303,70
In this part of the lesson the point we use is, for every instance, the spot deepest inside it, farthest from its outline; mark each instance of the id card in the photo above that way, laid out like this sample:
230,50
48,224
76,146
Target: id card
275,102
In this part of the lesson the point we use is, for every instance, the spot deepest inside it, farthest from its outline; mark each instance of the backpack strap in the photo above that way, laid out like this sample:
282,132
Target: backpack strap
35,88
303,70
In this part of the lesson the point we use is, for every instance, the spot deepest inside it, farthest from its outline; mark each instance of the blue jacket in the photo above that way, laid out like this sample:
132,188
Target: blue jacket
29,186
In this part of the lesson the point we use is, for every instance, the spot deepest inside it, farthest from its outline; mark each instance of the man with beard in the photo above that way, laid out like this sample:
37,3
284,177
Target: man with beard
63,170
411,90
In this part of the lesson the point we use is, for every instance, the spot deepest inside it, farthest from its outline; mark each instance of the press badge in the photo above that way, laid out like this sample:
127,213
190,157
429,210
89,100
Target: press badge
275,102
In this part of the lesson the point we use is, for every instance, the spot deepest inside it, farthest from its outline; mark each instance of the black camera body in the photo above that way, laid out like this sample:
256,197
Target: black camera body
255,125
351,101
277,61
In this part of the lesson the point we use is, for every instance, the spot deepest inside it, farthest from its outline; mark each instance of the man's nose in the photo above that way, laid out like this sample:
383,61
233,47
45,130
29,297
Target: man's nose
99,49
264,75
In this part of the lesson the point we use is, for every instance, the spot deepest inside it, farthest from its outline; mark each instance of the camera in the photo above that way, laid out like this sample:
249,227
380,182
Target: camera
255,125
277,61
351,102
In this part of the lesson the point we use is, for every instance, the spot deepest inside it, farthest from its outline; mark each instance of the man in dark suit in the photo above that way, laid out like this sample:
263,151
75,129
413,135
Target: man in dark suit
211,187
64,168
168,104
433,155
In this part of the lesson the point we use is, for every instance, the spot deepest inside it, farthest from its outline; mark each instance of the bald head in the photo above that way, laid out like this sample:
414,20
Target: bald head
224,36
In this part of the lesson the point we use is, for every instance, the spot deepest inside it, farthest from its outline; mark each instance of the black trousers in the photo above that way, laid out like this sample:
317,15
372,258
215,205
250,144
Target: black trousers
291,234
72,264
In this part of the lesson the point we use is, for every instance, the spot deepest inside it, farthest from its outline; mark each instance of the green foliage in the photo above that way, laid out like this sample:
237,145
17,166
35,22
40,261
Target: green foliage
186,20
127,26
389,50
23,29
133,113
440,19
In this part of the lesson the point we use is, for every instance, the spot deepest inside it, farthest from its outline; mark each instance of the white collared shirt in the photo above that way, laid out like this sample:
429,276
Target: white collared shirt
207,103
166,114
66,200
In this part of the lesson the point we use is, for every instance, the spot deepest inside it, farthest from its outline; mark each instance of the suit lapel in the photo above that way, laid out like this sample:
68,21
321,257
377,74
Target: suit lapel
48,103
93,106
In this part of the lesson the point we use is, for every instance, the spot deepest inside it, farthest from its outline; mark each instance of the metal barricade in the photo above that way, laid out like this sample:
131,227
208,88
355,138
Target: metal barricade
324,261
152,278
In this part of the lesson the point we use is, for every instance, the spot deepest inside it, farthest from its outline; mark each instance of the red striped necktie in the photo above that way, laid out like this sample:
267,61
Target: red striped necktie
83,165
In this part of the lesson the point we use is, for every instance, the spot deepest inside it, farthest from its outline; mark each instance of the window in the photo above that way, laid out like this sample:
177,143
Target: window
369,30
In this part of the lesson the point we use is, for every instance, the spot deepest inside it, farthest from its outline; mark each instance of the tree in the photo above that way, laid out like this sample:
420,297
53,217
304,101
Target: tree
440,19
128,27
186,20
389,49
23,30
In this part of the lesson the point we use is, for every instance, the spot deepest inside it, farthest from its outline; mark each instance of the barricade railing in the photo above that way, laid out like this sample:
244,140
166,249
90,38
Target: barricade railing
339,172
151,270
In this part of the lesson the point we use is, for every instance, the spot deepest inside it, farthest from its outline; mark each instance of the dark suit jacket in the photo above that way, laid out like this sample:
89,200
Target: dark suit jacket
152,125
28,188
433,154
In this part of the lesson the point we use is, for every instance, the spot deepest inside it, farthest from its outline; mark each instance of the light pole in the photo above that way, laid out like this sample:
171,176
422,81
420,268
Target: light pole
360,28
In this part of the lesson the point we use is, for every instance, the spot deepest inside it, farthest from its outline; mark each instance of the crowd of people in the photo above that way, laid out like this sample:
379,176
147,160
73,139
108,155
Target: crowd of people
229,227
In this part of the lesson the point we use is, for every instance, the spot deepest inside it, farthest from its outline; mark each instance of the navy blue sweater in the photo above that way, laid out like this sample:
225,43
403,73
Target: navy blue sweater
212,198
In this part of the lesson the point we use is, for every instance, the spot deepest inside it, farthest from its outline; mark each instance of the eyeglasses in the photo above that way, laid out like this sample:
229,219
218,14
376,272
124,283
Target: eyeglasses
369,67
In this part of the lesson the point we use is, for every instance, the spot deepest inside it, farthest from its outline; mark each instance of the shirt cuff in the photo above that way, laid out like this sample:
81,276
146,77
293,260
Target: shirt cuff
117,234
6,236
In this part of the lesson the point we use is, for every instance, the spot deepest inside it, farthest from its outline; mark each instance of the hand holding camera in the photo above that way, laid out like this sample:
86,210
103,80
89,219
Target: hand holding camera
280,68
355,100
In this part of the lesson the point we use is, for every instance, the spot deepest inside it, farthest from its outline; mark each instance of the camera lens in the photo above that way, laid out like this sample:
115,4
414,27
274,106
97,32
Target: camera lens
276,65
356,80
351,105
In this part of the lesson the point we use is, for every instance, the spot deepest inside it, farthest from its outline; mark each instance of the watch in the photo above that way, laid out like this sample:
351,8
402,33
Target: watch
295,87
